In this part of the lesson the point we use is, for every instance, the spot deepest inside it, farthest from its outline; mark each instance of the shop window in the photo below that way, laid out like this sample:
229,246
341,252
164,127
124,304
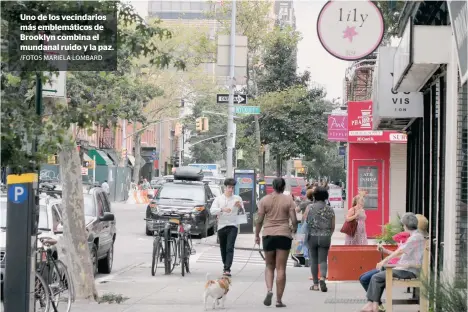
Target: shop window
368,181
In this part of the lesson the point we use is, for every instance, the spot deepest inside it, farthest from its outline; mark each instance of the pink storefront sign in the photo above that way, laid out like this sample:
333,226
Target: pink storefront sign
338,128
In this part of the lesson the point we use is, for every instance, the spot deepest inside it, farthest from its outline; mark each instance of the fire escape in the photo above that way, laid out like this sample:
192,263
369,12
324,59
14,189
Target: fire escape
106,139
358,79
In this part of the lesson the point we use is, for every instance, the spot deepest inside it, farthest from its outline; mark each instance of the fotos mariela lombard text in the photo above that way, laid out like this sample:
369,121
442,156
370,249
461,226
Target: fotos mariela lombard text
61,41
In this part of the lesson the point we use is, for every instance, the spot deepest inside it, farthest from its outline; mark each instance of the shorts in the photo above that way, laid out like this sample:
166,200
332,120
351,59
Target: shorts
272,243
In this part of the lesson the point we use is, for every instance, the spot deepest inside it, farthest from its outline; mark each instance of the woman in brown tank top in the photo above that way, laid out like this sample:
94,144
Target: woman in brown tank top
275,212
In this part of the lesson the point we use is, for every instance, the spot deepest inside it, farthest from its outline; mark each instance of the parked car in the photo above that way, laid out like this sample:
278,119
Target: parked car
101,228
217,190
186,194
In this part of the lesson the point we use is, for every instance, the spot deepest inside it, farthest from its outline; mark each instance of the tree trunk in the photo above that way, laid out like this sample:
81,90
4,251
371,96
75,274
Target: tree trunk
137,146
74,246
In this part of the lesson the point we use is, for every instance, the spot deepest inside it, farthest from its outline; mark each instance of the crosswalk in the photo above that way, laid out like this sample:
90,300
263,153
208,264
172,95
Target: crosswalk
241,257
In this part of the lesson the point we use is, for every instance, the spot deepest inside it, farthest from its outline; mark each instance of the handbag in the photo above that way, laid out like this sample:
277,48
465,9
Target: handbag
241,217
349,228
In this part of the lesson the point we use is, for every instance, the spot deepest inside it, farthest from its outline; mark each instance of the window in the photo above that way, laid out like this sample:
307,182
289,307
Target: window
100,205
176,6
166,6
368,180
185,6
193,192
106,202
209,194
89,206
195,6
43,219
156,6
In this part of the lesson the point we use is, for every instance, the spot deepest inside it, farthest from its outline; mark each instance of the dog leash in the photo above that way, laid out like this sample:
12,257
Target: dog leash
250,256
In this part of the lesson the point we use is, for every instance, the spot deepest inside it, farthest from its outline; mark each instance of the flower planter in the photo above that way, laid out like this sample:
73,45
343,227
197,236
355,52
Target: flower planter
348,263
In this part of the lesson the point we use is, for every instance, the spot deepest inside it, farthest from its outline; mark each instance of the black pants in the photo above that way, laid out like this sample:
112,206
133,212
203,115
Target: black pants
318,254
227,239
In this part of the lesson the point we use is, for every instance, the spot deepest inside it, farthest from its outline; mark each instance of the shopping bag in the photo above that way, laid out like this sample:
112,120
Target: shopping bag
242,219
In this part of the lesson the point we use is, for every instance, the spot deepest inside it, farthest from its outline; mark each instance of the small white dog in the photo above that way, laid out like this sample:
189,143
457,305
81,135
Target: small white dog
216,289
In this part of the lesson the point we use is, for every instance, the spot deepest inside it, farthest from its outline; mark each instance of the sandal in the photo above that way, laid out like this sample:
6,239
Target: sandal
314,288
268,297
280,305
323,286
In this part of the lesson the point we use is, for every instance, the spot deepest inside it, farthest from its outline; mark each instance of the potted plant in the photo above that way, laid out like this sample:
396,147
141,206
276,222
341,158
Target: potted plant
388,231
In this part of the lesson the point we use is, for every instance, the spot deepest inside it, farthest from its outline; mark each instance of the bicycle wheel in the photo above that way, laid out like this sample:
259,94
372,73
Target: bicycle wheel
156,255
61,289
41,294
187,257
174,254
167,252
182,256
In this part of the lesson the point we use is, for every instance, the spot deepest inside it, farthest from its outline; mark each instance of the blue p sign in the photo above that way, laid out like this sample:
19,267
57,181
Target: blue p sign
17,193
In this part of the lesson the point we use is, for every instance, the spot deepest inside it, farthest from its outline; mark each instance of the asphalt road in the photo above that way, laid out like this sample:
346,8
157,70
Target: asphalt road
132,246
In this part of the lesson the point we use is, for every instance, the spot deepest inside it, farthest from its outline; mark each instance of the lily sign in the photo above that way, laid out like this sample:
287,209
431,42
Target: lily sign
350,30
238,98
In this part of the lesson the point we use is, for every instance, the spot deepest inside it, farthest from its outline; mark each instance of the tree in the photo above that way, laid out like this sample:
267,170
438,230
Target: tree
21,125
391,11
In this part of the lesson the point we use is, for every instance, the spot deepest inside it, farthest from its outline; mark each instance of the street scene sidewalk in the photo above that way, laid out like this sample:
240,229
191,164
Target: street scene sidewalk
131,278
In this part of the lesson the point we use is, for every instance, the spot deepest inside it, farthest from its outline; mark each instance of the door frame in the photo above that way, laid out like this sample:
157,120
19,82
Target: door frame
354,168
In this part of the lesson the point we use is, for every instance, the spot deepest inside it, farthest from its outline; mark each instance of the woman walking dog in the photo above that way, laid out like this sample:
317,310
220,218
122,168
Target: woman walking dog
275,212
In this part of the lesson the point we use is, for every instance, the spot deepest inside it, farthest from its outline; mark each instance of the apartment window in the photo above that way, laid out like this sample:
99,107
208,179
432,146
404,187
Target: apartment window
166,5
156,6
185,5
196,6
176,6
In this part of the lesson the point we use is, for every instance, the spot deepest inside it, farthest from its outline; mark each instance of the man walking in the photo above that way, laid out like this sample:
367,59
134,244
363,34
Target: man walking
105,187
226,207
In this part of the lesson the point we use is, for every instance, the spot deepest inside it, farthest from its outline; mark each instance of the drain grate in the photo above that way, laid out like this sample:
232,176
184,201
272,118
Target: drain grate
346,301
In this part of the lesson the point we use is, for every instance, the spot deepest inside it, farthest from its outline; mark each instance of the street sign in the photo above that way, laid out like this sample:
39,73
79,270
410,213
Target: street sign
342,151
17,193
238,98
84,171
247,110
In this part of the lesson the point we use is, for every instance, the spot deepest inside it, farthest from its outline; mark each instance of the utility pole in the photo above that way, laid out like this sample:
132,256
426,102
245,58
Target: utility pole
230,128
160,145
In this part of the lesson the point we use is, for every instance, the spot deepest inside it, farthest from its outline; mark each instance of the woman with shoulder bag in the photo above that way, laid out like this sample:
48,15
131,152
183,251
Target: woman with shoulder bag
320,222
357,214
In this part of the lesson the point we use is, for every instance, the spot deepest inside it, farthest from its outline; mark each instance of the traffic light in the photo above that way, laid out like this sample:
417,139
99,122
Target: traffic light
199,124
205,124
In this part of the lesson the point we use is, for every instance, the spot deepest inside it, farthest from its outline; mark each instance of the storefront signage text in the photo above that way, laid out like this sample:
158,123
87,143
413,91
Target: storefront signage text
350,30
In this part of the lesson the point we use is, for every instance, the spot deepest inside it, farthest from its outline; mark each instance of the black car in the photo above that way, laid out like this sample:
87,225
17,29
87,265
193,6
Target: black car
186,194
100,225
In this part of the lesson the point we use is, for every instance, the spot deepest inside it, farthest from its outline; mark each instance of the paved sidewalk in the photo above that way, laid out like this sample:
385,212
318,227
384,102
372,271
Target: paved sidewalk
178,294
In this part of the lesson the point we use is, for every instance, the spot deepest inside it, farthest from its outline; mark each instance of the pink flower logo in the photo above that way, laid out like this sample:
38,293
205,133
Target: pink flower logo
349,33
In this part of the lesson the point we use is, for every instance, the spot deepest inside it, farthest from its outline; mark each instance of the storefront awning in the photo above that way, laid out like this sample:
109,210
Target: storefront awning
131,159
101,158
86,157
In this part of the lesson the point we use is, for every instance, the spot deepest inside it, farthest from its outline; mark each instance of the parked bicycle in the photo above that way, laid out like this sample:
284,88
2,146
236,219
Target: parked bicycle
56,276
164,246
184,242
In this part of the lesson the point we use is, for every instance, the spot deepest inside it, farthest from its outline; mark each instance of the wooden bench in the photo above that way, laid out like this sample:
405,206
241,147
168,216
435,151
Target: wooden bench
391,282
